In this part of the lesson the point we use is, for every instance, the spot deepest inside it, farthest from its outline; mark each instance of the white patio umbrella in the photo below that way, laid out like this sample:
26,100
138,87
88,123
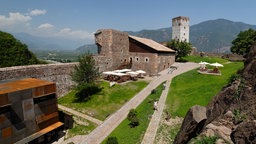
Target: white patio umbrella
141,71
216,64
109,73
122,70
132,73
203,64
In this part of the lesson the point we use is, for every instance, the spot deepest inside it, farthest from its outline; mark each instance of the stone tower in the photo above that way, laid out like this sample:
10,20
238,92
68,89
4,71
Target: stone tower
180,28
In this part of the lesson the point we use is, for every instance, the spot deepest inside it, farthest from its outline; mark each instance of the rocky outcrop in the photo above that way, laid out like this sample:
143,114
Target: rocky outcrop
245,133
192,124
231,115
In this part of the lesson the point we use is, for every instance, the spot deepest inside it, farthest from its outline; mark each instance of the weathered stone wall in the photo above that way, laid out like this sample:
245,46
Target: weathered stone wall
114,49
165,61
58,73
144,61
103,62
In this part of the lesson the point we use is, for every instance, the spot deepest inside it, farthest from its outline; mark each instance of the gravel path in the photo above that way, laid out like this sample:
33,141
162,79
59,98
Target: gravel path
155,120
76,113
103,130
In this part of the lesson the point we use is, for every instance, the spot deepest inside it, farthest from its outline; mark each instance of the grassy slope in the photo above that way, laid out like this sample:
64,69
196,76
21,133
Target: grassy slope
192,88
107,101
127,135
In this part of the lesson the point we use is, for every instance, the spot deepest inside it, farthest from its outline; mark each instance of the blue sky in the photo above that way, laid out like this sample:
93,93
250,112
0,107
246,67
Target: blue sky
79,19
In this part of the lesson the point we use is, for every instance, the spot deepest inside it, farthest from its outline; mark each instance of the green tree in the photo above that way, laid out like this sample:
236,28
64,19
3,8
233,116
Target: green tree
86,71
244,41
85,74
182,48
14,53
112,140
132,117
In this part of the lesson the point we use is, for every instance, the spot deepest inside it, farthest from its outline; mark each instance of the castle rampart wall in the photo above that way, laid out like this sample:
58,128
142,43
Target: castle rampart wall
58,73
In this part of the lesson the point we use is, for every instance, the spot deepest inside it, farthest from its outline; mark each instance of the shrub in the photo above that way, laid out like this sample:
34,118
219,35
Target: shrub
112,140
206,140
234,77
153,91
132,117
238,116
85,90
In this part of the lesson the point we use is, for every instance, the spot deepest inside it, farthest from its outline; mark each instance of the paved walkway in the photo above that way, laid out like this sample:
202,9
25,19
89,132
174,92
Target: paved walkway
150,134
156,117
76,113
102,131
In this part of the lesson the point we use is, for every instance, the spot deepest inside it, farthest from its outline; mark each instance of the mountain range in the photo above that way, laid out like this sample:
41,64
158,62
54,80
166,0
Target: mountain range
209,36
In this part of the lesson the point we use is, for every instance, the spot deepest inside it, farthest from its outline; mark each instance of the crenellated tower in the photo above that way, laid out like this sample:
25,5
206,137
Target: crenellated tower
180,28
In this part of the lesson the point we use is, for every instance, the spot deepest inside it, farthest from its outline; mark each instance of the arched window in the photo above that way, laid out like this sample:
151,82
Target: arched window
146,60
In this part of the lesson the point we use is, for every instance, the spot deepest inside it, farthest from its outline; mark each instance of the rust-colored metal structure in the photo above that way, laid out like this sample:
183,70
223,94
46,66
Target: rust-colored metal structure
28,110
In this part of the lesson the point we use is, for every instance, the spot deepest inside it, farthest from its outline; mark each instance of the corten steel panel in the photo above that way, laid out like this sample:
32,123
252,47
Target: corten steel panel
5,120
23,84
2,119
48,122
42,118
44,90
48,89
6,132
38,91
46,107
40,133
4,100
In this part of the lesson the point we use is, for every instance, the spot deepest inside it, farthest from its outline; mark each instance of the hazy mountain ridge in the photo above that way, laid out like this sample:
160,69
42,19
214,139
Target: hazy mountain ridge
47,43
210,36
213,35
91,48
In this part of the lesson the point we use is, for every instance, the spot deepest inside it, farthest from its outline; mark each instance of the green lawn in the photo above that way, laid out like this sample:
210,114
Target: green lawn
192,88
198,59
127,135
81,129
105,102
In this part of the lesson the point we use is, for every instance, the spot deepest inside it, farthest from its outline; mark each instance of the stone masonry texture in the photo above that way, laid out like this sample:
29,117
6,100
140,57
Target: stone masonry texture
58,73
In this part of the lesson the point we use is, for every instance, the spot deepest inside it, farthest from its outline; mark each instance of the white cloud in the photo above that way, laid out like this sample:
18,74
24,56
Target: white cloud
45,26
16,22
14,18
37,12
69,33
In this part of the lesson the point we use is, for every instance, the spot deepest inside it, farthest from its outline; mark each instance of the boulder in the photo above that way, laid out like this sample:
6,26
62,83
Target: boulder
245,133
192,124
222,131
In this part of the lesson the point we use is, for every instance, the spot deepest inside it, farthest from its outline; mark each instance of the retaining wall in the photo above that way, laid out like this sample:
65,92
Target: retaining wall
58,73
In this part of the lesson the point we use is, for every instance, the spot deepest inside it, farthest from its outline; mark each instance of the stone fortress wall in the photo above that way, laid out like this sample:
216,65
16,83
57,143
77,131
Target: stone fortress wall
58,73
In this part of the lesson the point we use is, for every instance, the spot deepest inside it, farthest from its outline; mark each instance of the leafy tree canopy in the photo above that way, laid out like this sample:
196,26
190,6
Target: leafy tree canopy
13,52
244,41
86,71
182,48
85,74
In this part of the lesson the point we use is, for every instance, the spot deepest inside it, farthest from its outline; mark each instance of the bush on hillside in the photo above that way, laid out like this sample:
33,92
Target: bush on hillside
132,117
85,90
112,140
14,53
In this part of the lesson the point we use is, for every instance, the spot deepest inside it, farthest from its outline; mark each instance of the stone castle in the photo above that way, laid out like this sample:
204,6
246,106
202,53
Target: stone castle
118,50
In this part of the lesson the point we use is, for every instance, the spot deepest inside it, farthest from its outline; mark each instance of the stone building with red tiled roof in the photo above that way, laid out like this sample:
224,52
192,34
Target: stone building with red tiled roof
118,50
